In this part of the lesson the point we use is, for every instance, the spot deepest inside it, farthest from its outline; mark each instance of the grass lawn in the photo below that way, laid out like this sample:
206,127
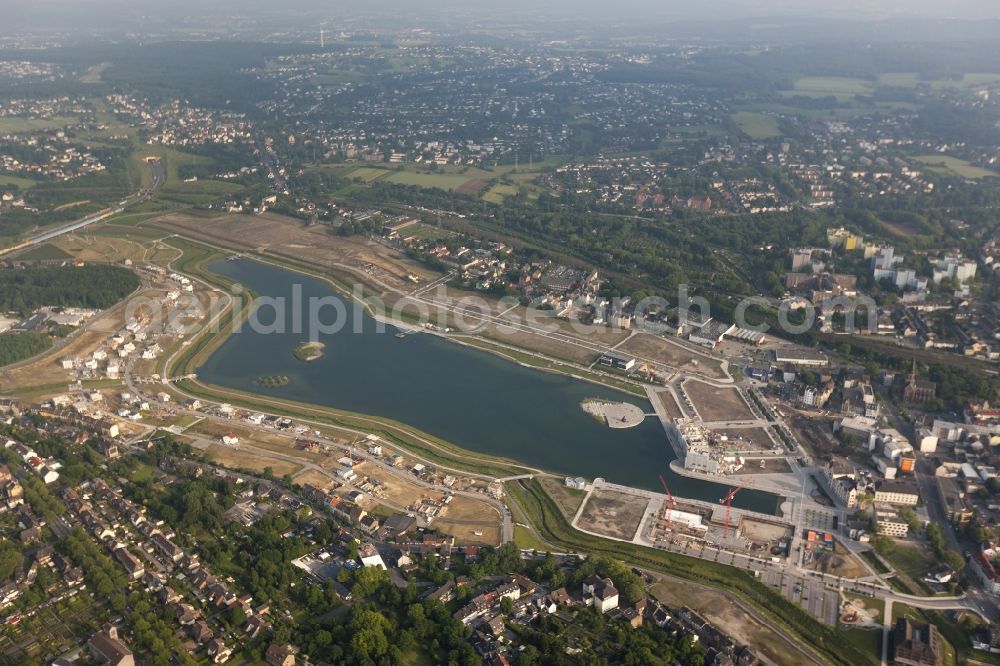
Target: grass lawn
910,560
16,181
46,252
173,159
499,192
367,174
444,181
868,641
953,166
526,540
11,124
757,125
199,192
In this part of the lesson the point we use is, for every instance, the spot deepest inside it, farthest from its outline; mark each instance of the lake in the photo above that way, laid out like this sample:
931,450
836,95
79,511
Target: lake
471,398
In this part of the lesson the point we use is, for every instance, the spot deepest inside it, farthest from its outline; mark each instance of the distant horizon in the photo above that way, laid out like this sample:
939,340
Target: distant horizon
124,16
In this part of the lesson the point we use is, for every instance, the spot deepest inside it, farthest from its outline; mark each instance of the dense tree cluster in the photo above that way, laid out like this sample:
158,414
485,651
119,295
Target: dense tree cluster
393,626
16,347
92,286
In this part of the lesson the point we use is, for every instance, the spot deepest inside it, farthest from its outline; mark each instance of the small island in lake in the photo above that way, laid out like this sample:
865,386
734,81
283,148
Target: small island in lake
308,351
614,414
272,381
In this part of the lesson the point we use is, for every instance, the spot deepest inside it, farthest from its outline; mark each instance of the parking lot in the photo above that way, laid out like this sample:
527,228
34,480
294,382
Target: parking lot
814,596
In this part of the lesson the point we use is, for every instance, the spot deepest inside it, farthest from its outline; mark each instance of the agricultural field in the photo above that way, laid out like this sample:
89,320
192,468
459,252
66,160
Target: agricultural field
199,192
946,165
16,181
14,125
444,181
912,80
499,192
45,252
757,126
830,86
367,174
717,403
612,514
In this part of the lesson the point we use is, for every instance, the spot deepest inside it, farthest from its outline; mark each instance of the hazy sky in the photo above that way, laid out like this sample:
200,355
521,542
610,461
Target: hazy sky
678,8
111,13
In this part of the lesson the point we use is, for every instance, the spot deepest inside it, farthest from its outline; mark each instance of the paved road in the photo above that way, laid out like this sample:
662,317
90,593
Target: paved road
143,195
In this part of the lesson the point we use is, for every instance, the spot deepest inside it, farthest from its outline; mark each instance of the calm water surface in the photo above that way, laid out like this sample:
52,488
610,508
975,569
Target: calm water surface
468,397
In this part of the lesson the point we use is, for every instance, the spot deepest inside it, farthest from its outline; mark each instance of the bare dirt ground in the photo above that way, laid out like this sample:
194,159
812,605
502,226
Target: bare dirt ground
276,442
756,530
291,239
658,349
717,403
772,465
541,344
489,535
231,457
314,478
669,404
758,436
719,609
568,499
397,489
613,514
838,563
101,248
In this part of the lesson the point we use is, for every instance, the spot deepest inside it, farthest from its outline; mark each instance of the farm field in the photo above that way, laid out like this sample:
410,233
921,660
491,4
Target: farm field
716,403
13,125
367,174
16,181
836,86
46,252
199,192
499,192
444,181
912,79
757,125
953,166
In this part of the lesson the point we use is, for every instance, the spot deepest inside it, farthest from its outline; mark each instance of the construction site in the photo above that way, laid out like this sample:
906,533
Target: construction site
740,531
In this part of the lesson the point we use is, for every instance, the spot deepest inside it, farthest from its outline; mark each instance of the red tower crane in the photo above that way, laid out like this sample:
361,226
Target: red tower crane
671,504
728,501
